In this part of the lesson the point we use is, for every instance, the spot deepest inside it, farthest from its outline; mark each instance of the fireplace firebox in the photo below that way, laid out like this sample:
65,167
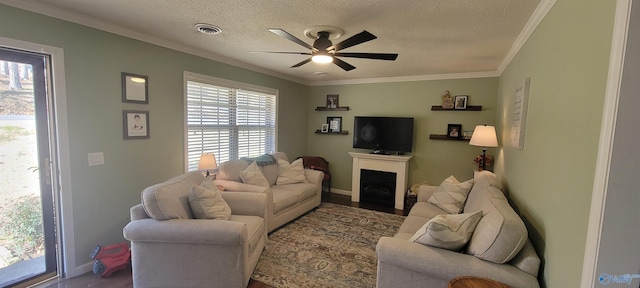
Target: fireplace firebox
398,164
377,187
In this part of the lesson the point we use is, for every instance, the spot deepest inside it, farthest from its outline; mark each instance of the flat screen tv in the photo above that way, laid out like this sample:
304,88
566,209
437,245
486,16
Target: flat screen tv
383,135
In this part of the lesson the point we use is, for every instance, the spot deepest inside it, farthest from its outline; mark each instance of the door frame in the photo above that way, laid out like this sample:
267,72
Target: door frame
605,147
59,132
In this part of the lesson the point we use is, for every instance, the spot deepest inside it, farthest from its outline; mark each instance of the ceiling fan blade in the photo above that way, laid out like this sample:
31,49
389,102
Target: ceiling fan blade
344,65
359,38
286,34
377,56
302,63
276,52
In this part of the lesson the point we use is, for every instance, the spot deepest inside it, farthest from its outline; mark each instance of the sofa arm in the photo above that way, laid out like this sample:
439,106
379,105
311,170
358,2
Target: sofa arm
424,192
137,212
314,176
247,203
437,267
239,186
191,231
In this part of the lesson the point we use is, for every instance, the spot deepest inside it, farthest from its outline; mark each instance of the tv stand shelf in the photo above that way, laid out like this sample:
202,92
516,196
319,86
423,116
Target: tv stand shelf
445,137
341,108
343,132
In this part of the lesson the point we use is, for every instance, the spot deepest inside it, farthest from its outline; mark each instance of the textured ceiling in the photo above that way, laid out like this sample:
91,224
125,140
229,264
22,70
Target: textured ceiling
432,37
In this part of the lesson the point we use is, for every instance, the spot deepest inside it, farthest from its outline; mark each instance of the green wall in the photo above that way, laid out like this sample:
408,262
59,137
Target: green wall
433,160
102,195
551,179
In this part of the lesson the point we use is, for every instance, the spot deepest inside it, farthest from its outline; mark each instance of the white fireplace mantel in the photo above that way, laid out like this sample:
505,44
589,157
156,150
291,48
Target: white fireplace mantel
398,164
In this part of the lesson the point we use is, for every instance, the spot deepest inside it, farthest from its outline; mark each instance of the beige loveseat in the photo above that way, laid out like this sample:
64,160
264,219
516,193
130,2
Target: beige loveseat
498,249
169,248
285,202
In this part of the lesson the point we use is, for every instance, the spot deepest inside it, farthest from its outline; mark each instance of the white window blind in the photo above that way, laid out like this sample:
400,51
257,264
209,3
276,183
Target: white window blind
228,120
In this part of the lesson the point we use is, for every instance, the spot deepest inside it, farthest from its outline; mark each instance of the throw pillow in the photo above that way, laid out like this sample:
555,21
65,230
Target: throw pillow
208,203
208,183
252,175
451,194
446,231
290,173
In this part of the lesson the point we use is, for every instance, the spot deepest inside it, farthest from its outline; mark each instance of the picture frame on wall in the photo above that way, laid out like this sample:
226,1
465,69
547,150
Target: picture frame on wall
325,128
454,130
135,124
332,101
335,124
135,88
460,102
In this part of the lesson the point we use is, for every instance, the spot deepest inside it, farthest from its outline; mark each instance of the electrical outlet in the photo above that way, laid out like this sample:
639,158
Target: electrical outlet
96,158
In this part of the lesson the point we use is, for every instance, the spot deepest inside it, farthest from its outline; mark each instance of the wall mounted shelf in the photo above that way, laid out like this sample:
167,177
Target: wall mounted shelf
343,132
445,137
469,108
341,108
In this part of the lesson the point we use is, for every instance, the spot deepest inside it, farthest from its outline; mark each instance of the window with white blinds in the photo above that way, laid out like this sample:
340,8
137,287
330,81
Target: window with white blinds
230,119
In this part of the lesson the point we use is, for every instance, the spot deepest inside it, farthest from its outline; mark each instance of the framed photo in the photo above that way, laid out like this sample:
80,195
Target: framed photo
325,128
454,130
332,101
335,124
135,124
461,102
135,88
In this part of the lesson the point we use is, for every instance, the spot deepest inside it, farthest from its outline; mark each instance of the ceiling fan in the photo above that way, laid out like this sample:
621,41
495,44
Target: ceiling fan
324,51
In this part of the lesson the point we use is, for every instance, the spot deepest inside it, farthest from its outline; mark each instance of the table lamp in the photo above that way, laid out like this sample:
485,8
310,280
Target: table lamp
484,136
207,162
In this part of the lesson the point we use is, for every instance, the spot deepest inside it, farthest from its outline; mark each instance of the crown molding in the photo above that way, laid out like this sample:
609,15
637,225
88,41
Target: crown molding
48,10
487,74
532,24
77,18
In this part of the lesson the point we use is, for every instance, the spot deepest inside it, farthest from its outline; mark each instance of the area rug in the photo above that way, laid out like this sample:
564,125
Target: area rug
331,246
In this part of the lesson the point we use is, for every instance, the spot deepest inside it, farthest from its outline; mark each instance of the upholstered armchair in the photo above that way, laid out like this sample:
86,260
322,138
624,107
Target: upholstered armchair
185,252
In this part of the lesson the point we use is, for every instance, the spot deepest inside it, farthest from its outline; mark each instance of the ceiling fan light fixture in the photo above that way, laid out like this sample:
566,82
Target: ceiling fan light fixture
322,58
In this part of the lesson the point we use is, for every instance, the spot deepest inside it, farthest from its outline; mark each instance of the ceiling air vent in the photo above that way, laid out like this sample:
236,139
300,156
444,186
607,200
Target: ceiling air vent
208,29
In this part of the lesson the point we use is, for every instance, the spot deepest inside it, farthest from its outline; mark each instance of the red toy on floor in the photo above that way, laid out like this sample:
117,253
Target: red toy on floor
110,259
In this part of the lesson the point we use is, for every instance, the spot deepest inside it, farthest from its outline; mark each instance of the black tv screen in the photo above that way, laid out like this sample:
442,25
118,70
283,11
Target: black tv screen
384,135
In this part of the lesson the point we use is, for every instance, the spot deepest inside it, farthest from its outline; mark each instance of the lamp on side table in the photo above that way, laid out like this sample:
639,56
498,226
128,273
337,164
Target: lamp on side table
484,136
207,162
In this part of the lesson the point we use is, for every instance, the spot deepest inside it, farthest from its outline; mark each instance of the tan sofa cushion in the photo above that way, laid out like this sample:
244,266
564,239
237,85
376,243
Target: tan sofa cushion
451,195
253,175
284,198
290,173
230,170
170,199
481,181
208,203
448,231
500,234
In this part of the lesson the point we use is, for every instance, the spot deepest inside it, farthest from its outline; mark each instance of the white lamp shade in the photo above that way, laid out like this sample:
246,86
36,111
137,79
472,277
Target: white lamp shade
207,162
484,136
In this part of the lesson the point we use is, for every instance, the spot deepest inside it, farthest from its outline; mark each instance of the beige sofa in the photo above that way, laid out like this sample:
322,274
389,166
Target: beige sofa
169,248
498,249
285,202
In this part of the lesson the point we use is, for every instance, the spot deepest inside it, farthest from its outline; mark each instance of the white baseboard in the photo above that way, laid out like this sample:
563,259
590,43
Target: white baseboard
341,192
82,269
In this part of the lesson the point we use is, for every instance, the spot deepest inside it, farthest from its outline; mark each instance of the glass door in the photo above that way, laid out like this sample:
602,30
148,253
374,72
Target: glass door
27,224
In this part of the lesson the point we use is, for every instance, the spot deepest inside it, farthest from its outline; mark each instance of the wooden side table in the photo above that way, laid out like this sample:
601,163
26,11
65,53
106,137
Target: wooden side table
475,282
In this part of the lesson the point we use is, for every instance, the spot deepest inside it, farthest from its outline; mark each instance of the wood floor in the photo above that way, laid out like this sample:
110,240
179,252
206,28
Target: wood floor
122,279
